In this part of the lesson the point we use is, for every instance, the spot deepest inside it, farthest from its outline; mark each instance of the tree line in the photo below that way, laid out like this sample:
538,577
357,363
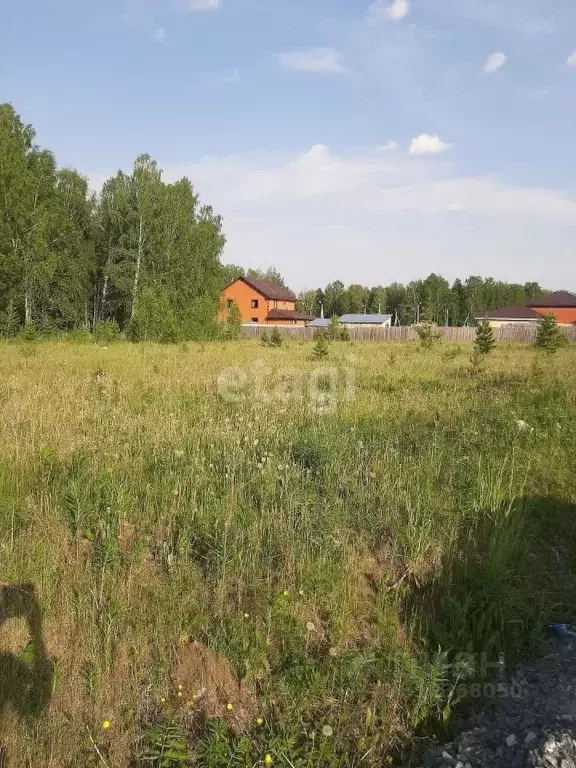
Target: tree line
143,255
433,299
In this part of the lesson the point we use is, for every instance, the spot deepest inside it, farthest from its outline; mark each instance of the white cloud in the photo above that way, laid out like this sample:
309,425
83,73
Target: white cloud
383,9
203,5
318,60
159,35
369,216
425,144
390,146
494,62
571,60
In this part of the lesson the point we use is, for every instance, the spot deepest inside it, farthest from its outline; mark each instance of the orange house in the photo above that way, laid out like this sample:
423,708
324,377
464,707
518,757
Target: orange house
560,304
262,302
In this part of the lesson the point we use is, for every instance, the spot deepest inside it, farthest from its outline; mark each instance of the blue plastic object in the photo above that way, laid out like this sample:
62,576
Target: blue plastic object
562,630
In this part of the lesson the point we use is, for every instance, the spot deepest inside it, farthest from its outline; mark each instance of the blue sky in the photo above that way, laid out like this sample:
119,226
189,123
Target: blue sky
366,141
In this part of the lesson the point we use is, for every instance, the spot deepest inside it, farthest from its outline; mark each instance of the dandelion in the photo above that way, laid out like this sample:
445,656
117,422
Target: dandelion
301,593
105,725
180,687
333,652
327,731
179,694
229,707
310,626
268,759
246,615
162,700
259,721
286,593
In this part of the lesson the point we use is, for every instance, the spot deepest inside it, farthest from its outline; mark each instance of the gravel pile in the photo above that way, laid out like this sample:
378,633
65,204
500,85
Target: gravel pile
535,727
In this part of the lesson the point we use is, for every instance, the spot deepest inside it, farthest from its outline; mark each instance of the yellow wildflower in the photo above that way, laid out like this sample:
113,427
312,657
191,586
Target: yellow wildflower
259,720
229,707
286,593
268,759
105,725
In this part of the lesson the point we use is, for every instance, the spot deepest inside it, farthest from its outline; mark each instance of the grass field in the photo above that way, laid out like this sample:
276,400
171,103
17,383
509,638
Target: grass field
273,564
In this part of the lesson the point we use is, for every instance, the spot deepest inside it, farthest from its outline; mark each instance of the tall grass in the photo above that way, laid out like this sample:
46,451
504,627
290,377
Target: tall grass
338,561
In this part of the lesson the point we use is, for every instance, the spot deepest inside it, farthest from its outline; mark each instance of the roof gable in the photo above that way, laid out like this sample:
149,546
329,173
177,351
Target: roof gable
269,289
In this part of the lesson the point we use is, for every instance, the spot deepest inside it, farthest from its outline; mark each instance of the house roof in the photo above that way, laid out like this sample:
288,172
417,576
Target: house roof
365,319
287,314
556,299
515,312
319,322
269,289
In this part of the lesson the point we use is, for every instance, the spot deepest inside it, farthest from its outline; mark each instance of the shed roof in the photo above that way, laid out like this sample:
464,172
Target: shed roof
365,319
319,322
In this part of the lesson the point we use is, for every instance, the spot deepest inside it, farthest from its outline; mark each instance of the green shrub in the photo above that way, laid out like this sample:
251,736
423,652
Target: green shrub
276,338
428,335
28,332
321,348
106,331
549,336
233,324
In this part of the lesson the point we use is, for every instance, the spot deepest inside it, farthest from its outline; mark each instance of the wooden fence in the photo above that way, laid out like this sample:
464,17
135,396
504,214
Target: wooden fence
507,333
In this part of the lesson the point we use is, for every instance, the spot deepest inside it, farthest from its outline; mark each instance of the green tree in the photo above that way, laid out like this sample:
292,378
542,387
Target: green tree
485,341
233,322
321,348
276,338
428,335
549,337
9,321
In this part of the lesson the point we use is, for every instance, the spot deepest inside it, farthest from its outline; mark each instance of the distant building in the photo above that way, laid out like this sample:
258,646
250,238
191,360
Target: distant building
519,314
355,321
262,302
319,322
561,304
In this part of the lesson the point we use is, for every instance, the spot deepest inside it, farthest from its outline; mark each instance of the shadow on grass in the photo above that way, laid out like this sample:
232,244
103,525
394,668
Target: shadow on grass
25,678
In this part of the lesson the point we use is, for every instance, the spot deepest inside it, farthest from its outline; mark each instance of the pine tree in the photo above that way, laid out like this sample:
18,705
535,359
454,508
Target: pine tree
549,336
276,338
321,348
485,341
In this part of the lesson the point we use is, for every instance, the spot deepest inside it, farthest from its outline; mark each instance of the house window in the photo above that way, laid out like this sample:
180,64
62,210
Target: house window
254,319
254,304
230,302
275,305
